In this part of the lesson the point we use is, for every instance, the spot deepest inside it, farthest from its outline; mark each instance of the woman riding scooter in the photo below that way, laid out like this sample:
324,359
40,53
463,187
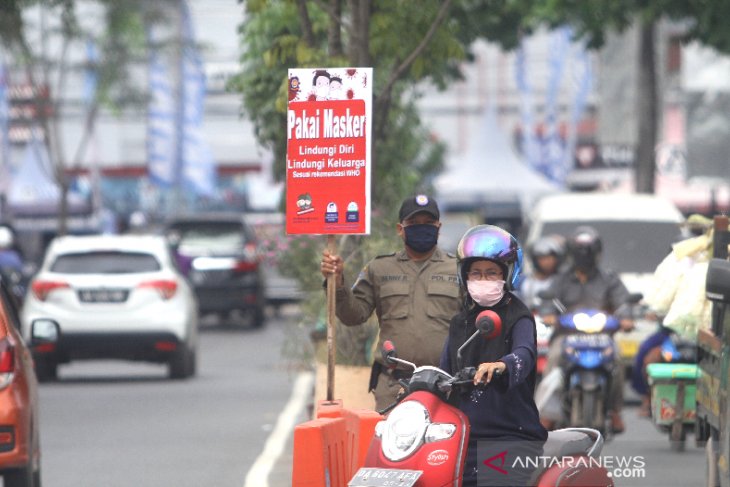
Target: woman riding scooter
489,266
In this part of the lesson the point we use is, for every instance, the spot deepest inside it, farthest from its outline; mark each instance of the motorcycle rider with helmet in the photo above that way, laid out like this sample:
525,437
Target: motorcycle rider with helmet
489,263
587,285
546,257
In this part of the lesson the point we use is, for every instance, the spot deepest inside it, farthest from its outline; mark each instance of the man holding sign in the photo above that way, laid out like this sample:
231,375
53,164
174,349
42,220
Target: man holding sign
414,293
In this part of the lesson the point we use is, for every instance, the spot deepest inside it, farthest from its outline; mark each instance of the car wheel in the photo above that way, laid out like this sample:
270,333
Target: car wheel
20,477
46,371
183,364
258,317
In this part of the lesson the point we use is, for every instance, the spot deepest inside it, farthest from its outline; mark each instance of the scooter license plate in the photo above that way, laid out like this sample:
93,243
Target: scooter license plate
384,477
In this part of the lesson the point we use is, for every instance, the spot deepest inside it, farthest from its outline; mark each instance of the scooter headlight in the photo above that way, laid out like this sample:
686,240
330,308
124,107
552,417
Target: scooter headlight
404,430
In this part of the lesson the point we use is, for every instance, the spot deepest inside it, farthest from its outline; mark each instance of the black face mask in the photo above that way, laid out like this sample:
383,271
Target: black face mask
422,237
584,261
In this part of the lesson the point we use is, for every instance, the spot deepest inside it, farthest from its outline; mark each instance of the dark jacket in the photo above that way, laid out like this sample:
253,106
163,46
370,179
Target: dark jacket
603,290
506,408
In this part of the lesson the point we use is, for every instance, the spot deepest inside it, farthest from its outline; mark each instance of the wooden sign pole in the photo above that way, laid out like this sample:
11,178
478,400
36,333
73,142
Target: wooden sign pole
331,343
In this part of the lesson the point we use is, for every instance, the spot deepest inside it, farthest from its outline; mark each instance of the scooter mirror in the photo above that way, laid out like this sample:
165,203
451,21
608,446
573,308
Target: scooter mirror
389,354
489,324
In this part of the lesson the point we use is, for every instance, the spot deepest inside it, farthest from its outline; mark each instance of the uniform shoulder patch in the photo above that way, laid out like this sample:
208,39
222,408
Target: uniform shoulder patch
385,255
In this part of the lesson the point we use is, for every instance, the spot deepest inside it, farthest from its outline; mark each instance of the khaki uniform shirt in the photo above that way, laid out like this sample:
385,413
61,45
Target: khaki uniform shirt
414,302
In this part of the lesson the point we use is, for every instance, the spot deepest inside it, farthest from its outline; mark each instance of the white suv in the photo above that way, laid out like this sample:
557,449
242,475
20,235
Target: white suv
114,297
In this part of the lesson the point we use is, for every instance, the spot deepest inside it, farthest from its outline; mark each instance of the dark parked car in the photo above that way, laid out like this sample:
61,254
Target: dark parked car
220,255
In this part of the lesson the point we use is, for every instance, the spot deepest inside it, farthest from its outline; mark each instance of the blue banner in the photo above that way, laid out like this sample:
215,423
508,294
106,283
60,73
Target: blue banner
199,168
530,144
161,128
175,130
548,150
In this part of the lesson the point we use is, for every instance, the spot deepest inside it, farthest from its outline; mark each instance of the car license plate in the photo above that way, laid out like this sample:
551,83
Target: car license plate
103,295
384,477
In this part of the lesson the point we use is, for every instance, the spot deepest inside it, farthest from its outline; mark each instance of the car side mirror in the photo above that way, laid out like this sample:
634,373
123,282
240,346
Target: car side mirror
44,332
717,285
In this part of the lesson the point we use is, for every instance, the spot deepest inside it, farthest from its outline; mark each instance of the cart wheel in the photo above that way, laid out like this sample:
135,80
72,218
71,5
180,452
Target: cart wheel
677,436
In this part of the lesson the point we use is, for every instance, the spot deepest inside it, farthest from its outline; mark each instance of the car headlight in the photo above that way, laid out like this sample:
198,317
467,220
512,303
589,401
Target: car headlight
404,430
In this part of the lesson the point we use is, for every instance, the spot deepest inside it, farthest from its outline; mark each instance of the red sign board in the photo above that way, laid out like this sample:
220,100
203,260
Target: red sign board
328,151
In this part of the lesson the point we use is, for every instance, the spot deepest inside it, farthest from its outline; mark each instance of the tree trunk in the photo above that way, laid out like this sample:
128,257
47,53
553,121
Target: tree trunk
359,51
648,110
334,37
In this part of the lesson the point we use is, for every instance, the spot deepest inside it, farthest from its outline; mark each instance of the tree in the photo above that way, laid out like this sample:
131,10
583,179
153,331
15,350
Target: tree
593,19
121,42
407,43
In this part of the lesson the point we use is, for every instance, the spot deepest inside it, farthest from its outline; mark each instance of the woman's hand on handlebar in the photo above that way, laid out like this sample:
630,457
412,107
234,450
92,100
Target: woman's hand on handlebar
488,370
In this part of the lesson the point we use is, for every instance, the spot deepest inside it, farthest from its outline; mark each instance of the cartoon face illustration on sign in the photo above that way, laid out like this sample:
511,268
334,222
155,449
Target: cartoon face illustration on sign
304,203
321,84
293,87
335,92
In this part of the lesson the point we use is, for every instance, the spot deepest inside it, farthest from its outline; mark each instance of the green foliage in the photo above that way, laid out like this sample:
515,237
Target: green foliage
405,155
272,37
593,19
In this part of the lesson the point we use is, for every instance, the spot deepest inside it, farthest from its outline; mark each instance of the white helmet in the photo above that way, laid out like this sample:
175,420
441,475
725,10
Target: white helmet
6,238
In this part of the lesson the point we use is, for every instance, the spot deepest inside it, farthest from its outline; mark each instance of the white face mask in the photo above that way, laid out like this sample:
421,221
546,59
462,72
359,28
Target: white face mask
322,91
486,293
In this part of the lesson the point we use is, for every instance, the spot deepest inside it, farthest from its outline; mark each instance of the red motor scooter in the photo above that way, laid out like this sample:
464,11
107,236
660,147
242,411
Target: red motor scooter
423,440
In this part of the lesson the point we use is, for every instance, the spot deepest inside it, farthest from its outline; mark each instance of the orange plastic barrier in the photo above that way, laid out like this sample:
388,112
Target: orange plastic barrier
360,430
319,454
329,450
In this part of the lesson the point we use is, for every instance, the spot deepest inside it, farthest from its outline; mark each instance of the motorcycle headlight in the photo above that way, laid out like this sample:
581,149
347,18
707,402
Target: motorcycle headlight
589,324
404,430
